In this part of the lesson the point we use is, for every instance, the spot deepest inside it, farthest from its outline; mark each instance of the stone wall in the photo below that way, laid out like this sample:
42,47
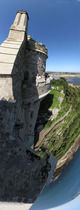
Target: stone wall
22,174
36,55
21,58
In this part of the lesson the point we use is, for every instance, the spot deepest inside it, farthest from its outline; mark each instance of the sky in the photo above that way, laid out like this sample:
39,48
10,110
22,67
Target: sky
55,23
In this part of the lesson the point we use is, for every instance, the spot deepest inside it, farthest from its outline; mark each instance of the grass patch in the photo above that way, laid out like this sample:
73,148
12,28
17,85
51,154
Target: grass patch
64,134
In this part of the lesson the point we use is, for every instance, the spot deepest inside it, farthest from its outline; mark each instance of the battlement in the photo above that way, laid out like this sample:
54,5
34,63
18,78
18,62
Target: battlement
35,46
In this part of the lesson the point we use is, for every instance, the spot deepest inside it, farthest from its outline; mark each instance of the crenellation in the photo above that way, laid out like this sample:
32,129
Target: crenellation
35,46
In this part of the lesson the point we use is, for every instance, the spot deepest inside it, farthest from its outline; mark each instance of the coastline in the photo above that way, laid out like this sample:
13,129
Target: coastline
66,74
62,162
73,85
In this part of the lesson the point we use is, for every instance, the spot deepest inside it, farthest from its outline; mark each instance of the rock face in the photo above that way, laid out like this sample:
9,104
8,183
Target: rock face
22,173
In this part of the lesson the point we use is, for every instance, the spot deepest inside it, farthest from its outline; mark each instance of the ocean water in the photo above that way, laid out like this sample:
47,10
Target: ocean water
72,80
64,192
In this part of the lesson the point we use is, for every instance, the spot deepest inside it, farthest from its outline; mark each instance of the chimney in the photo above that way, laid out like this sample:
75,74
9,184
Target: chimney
18,30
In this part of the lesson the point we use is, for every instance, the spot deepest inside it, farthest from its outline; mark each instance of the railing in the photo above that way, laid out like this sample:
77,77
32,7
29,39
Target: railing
43,87
35,91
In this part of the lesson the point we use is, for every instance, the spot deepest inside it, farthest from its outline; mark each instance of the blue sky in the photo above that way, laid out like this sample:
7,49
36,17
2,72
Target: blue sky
55,23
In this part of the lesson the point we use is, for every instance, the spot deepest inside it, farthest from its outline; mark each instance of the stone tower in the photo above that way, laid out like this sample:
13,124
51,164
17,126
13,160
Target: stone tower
21,58
22,173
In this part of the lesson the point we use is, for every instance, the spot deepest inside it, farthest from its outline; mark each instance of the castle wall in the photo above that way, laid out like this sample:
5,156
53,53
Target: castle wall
21,58
31,112
22,173
35,63
35,59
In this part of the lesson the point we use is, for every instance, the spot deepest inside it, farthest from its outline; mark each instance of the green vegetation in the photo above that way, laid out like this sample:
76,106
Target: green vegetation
62,136
60,88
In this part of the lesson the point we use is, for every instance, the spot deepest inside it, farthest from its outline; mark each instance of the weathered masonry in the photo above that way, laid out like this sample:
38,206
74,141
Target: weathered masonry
22,173
20,59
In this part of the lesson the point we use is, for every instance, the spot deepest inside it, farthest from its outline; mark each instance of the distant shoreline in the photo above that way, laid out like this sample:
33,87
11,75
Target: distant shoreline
73,85
64,74
71,78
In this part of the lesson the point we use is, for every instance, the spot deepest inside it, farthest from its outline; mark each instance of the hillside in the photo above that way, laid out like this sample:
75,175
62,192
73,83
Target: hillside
64,133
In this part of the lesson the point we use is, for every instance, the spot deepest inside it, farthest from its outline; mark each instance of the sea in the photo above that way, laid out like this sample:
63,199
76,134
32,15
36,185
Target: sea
75,80
64,192
72,80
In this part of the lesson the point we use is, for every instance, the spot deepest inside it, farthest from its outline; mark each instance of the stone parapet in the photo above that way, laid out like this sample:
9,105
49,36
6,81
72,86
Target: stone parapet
37,47
34,93
43,87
